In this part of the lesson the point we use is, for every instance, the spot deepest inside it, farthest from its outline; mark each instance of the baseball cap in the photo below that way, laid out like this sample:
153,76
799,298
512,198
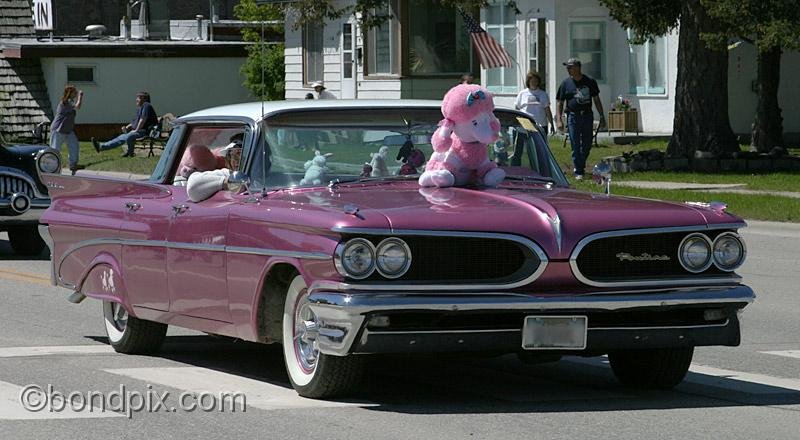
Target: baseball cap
572,62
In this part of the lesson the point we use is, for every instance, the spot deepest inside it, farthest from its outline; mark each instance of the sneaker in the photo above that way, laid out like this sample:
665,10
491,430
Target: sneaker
75,168
579,177
128,154
96,145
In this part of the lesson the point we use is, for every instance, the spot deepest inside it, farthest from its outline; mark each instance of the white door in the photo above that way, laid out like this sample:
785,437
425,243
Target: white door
348,61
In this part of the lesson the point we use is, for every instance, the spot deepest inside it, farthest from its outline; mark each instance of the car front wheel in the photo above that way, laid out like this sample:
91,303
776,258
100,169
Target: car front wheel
25,240
131,335
660,368
313,374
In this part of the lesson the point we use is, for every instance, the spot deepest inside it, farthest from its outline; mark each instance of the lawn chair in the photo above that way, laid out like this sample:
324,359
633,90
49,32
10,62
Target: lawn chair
159,133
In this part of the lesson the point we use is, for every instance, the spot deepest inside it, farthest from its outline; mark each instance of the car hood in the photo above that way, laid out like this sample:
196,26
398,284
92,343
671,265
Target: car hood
556,218
24,150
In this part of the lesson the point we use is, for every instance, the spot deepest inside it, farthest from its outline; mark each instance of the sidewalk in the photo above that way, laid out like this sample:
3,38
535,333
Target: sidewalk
738,188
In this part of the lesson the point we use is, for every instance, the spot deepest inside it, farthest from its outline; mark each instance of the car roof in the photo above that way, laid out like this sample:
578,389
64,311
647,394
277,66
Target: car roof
256,111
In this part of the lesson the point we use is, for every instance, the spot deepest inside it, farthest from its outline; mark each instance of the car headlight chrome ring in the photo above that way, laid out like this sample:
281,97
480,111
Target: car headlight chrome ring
49,162
355,258
695,253
393,258
728,251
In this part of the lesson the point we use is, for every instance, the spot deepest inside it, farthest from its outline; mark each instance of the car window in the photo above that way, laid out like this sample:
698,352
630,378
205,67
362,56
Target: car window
350,139
217,139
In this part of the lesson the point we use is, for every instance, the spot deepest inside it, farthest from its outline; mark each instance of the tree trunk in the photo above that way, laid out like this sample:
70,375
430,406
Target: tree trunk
768,125
701,93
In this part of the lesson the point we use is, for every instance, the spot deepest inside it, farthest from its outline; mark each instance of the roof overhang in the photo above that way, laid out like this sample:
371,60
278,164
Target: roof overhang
32,48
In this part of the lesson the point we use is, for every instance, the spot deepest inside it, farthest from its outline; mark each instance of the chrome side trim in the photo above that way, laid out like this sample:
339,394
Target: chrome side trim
530,244
13,172
664,327
186,246
444,332
697,281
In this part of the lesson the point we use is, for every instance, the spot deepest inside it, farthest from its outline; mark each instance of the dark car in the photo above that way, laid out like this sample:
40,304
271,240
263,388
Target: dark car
23,196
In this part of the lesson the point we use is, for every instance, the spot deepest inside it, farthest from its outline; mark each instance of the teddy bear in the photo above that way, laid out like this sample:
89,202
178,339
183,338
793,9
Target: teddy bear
411,157
459,144
378,163
316,169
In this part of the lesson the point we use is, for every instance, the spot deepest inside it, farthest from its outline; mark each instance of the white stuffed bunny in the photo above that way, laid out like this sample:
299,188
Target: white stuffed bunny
378,163
316,169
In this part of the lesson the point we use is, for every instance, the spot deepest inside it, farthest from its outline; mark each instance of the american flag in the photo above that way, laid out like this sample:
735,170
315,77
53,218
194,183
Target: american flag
490,52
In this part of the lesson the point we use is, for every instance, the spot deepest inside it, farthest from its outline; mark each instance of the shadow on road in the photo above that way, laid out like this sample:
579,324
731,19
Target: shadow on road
6,253
462,384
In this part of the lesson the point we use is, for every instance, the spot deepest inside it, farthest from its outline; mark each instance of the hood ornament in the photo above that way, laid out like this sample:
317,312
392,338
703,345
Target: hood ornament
601,174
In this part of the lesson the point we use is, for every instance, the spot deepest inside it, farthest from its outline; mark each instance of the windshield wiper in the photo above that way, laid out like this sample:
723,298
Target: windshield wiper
532,179
336,182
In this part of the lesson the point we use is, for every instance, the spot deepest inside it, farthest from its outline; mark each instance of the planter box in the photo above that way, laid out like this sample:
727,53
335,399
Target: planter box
705,165
732,165
623,121
759,164
676,164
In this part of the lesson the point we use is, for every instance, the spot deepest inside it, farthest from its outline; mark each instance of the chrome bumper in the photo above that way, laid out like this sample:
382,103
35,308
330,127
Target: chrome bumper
341,315
32,215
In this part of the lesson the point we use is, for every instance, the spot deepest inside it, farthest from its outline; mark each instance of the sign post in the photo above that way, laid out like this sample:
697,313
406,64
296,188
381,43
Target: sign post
43,16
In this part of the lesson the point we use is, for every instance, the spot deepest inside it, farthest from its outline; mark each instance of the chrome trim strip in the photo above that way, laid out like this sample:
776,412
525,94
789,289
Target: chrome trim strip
530,244
501,330
666,327
188,246
698,281
13,172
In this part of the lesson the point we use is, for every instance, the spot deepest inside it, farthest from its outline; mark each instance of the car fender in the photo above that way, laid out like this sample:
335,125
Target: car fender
103,280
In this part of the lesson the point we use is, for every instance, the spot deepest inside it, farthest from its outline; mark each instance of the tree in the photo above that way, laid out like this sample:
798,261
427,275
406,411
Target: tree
701,100
264,69
772,26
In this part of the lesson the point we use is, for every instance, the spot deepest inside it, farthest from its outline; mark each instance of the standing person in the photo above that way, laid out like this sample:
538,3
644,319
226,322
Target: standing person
536,102
578,91
63,127
319,87
141,125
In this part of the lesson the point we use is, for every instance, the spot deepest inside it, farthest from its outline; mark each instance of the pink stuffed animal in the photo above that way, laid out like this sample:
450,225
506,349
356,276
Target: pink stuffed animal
459,154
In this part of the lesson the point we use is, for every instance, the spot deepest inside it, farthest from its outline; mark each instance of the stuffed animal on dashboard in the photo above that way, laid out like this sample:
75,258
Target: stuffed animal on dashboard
378,163
411,157
460,154
316,169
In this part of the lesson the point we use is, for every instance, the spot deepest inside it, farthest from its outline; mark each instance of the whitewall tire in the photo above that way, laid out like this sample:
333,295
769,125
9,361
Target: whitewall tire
131,335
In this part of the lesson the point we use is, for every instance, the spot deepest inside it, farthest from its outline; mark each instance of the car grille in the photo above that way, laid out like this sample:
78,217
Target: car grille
599,260
10,185
469,260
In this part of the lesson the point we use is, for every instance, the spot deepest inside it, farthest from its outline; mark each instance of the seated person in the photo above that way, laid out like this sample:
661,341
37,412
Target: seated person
196,158
203,184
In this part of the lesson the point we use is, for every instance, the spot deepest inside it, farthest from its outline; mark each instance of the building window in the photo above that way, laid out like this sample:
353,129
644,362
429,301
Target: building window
501,25
648,67
313,61
80,74
438,41
537,48
383,43
588,43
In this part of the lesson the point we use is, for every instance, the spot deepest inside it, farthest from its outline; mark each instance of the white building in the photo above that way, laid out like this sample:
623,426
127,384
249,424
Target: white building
424,50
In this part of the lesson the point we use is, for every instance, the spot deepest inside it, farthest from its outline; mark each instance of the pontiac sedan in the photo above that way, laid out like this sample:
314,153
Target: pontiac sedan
324,242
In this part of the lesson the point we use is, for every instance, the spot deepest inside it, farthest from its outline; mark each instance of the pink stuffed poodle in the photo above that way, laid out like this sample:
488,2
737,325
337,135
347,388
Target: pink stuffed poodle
460,155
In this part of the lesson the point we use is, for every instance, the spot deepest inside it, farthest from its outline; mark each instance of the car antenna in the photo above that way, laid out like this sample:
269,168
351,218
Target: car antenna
264,143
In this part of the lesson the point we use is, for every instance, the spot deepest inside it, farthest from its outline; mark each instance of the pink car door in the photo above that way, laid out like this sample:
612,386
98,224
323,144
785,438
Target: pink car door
196,259
144,252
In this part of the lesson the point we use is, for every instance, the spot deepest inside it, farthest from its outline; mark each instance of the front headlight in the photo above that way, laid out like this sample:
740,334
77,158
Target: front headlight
729,251
394,257
694,253
356,258
49,163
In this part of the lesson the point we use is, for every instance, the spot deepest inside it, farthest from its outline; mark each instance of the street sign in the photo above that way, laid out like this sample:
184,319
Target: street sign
42,15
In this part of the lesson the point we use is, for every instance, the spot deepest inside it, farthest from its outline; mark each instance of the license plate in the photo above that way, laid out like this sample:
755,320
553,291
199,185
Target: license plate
554,333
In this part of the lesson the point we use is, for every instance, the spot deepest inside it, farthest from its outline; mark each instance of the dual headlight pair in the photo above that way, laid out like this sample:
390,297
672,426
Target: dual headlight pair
697,252
358,258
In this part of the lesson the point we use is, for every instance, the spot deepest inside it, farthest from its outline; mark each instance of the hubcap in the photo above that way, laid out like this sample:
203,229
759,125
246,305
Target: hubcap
306,331
118,316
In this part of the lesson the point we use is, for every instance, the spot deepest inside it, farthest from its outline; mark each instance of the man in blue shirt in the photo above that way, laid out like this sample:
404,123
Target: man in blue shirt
578,91
141,125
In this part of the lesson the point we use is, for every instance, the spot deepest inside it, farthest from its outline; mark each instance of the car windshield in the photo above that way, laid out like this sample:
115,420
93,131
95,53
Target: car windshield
316,147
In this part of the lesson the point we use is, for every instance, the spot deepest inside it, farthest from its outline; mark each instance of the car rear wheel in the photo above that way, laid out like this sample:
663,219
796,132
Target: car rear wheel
131,335
25,240
660,368
313,374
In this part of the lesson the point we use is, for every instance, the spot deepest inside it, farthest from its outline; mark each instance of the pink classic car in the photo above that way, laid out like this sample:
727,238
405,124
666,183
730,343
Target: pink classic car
323,241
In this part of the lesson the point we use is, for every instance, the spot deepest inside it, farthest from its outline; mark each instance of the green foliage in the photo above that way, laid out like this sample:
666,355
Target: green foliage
766,23
646,18
264,69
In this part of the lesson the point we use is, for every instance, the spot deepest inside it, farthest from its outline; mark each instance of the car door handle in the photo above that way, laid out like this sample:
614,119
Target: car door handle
133,206
179,209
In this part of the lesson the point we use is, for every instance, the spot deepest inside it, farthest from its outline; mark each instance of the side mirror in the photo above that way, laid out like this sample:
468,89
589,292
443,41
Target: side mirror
601,174
238,180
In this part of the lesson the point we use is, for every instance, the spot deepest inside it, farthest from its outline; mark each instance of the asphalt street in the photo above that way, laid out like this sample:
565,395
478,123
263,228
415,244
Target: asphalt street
746,392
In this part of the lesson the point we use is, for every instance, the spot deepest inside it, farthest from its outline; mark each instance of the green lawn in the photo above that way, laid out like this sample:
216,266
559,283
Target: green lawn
111,160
